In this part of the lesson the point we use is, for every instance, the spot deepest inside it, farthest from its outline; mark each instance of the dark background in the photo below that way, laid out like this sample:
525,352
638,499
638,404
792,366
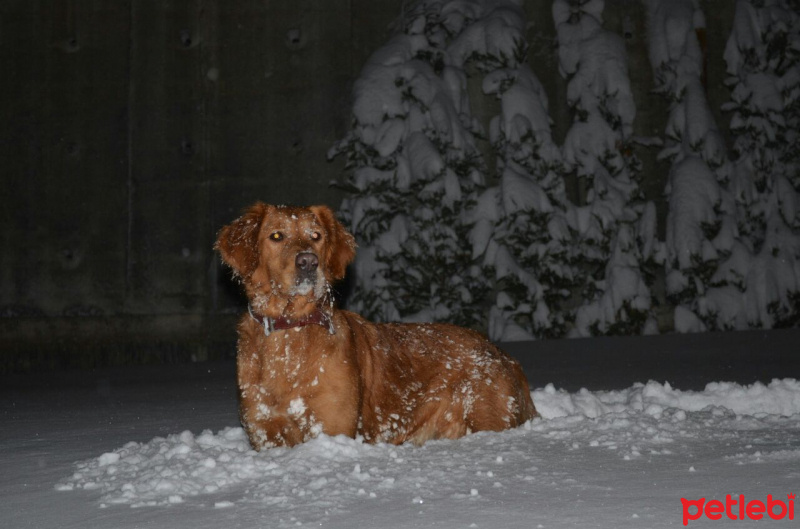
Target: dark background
131,131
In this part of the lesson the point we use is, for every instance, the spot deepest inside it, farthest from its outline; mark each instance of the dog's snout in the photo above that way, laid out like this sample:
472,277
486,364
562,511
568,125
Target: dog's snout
306,262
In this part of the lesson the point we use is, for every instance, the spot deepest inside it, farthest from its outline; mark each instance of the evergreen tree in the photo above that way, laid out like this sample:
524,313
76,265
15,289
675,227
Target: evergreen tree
529,247
614,237
414,171
764,269
701,227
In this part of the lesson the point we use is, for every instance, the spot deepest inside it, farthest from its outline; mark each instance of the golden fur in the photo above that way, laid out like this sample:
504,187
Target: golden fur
393,382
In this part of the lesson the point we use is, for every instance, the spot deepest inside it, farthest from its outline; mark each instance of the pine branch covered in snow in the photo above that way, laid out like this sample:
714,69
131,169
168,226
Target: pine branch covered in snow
614,228
763,271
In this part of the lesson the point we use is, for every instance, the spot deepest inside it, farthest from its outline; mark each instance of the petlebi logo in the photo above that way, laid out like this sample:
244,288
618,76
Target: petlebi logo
739,508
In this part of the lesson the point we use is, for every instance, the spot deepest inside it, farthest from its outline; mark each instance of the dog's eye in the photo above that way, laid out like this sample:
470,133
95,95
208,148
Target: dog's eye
316,236
277,236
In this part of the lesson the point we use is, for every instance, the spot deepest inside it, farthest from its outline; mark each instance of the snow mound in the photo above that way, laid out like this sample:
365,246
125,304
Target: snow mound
330,476
779,397
165,470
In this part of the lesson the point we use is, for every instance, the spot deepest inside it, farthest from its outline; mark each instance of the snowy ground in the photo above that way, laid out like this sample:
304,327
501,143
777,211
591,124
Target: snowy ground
161,447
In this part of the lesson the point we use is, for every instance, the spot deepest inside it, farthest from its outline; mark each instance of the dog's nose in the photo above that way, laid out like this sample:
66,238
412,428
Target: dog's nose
306,262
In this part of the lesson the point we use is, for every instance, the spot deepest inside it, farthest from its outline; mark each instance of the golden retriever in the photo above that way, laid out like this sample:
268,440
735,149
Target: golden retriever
305,368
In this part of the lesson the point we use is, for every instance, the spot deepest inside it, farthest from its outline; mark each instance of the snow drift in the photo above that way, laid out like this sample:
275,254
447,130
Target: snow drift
329,476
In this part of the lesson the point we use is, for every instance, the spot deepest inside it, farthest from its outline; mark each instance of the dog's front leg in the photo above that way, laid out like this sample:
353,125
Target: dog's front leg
264,426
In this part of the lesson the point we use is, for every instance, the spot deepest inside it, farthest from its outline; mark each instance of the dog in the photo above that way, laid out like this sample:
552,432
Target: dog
306,368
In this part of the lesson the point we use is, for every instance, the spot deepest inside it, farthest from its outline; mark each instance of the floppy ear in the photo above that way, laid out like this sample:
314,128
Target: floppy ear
237,242
341,247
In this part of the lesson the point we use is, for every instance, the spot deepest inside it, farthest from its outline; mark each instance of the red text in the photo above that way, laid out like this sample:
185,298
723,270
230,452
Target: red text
737,508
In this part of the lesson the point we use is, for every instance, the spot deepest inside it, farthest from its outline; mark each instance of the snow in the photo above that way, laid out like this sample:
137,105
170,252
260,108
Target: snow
523,107
520,191
671,38
332,478
497,35
377,94
694,194
165,450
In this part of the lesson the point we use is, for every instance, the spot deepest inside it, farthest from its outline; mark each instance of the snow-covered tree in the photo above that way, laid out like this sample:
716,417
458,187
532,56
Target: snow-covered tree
414,170
701,226
763,56
614,229
788,40
522,227
443,238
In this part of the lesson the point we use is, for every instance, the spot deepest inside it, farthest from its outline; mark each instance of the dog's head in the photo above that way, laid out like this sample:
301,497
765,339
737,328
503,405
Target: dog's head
286,257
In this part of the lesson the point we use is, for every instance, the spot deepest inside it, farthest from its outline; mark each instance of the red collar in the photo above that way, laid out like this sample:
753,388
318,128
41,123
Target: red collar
279,324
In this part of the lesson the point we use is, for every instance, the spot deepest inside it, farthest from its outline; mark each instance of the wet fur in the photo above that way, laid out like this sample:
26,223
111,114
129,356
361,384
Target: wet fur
390,382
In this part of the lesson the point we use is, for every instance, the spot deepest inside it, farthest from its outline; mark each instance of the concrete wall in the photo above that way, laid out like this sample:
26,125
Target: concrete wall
131,131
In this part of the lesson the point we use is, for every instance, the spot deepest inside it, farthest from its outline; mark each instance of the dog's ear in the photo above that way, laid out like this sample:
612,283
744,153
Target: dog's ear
237,242
341,247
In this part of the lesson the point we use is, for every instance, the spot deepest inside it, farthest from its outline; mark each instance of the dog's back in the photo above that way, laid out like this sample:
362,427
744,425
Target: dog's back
431,381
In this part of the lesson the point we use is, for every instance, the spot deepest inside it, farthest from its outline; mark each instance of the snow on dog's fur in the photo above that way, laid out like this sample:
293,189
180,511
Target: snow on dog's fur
305,367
